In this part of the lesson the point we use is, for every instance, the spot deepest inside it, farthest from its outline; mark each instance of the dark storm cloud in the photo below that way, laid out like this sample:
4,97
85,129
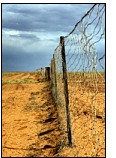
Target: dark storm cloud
31,32
14,59
40,18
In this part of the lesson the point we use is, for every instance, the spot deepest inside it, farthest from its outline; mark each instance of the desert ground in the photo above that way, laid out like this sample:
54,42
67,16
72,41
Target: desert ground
30,125
29,118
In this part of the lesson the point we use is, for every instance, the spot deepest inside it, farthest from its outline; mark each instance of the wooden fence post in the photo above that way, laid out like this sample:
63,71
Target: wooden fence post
55,80
51,70
47,73
66,89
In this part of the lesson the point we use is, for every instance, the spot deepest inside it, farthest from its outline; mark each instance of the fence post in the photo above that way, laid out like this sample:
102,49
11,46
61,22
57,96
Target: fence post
55,81
66,89
47,73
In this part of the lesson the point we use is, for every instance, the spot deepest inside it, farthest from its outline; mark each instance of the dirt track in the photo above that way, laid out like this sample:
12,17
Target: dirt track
29,119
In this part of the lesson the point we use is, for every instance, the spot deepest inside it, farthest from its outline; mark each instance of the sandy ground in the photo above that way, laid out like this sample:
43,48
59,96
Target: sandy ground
30,126
29,119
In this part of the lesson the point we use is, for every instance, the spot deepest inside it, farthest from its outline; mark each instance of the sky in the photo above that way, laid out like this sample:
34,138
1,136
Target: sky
31,32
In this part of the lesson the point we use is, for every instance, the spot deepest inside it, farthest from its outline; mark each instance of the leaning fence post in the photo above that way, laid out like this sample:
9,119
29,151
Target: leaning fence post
66,89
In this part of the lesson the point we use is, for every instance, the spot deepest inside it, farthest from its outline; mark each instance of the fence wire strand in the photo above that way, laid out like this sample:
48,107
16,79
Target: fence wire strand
85,63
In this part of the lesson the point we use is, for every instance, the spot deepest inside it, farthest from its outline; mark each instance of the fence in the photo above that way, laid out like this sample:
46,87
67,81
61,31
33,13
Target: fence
78,84
44,72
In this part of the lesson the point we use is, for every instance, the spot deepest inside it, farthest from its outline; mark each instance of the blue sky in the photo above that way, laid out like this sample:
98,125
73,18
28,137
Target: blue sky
31,32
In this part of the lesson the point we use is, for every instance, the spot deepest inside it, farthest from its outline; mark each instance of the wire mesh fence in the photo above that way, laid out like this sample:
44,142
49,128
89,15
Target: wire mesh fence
78,81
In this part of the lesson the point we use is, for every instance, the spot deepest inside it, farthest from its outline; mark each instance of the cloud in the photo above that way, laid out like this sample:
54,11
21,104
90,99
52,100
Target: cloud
14,59
25,36
44,17
31,32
